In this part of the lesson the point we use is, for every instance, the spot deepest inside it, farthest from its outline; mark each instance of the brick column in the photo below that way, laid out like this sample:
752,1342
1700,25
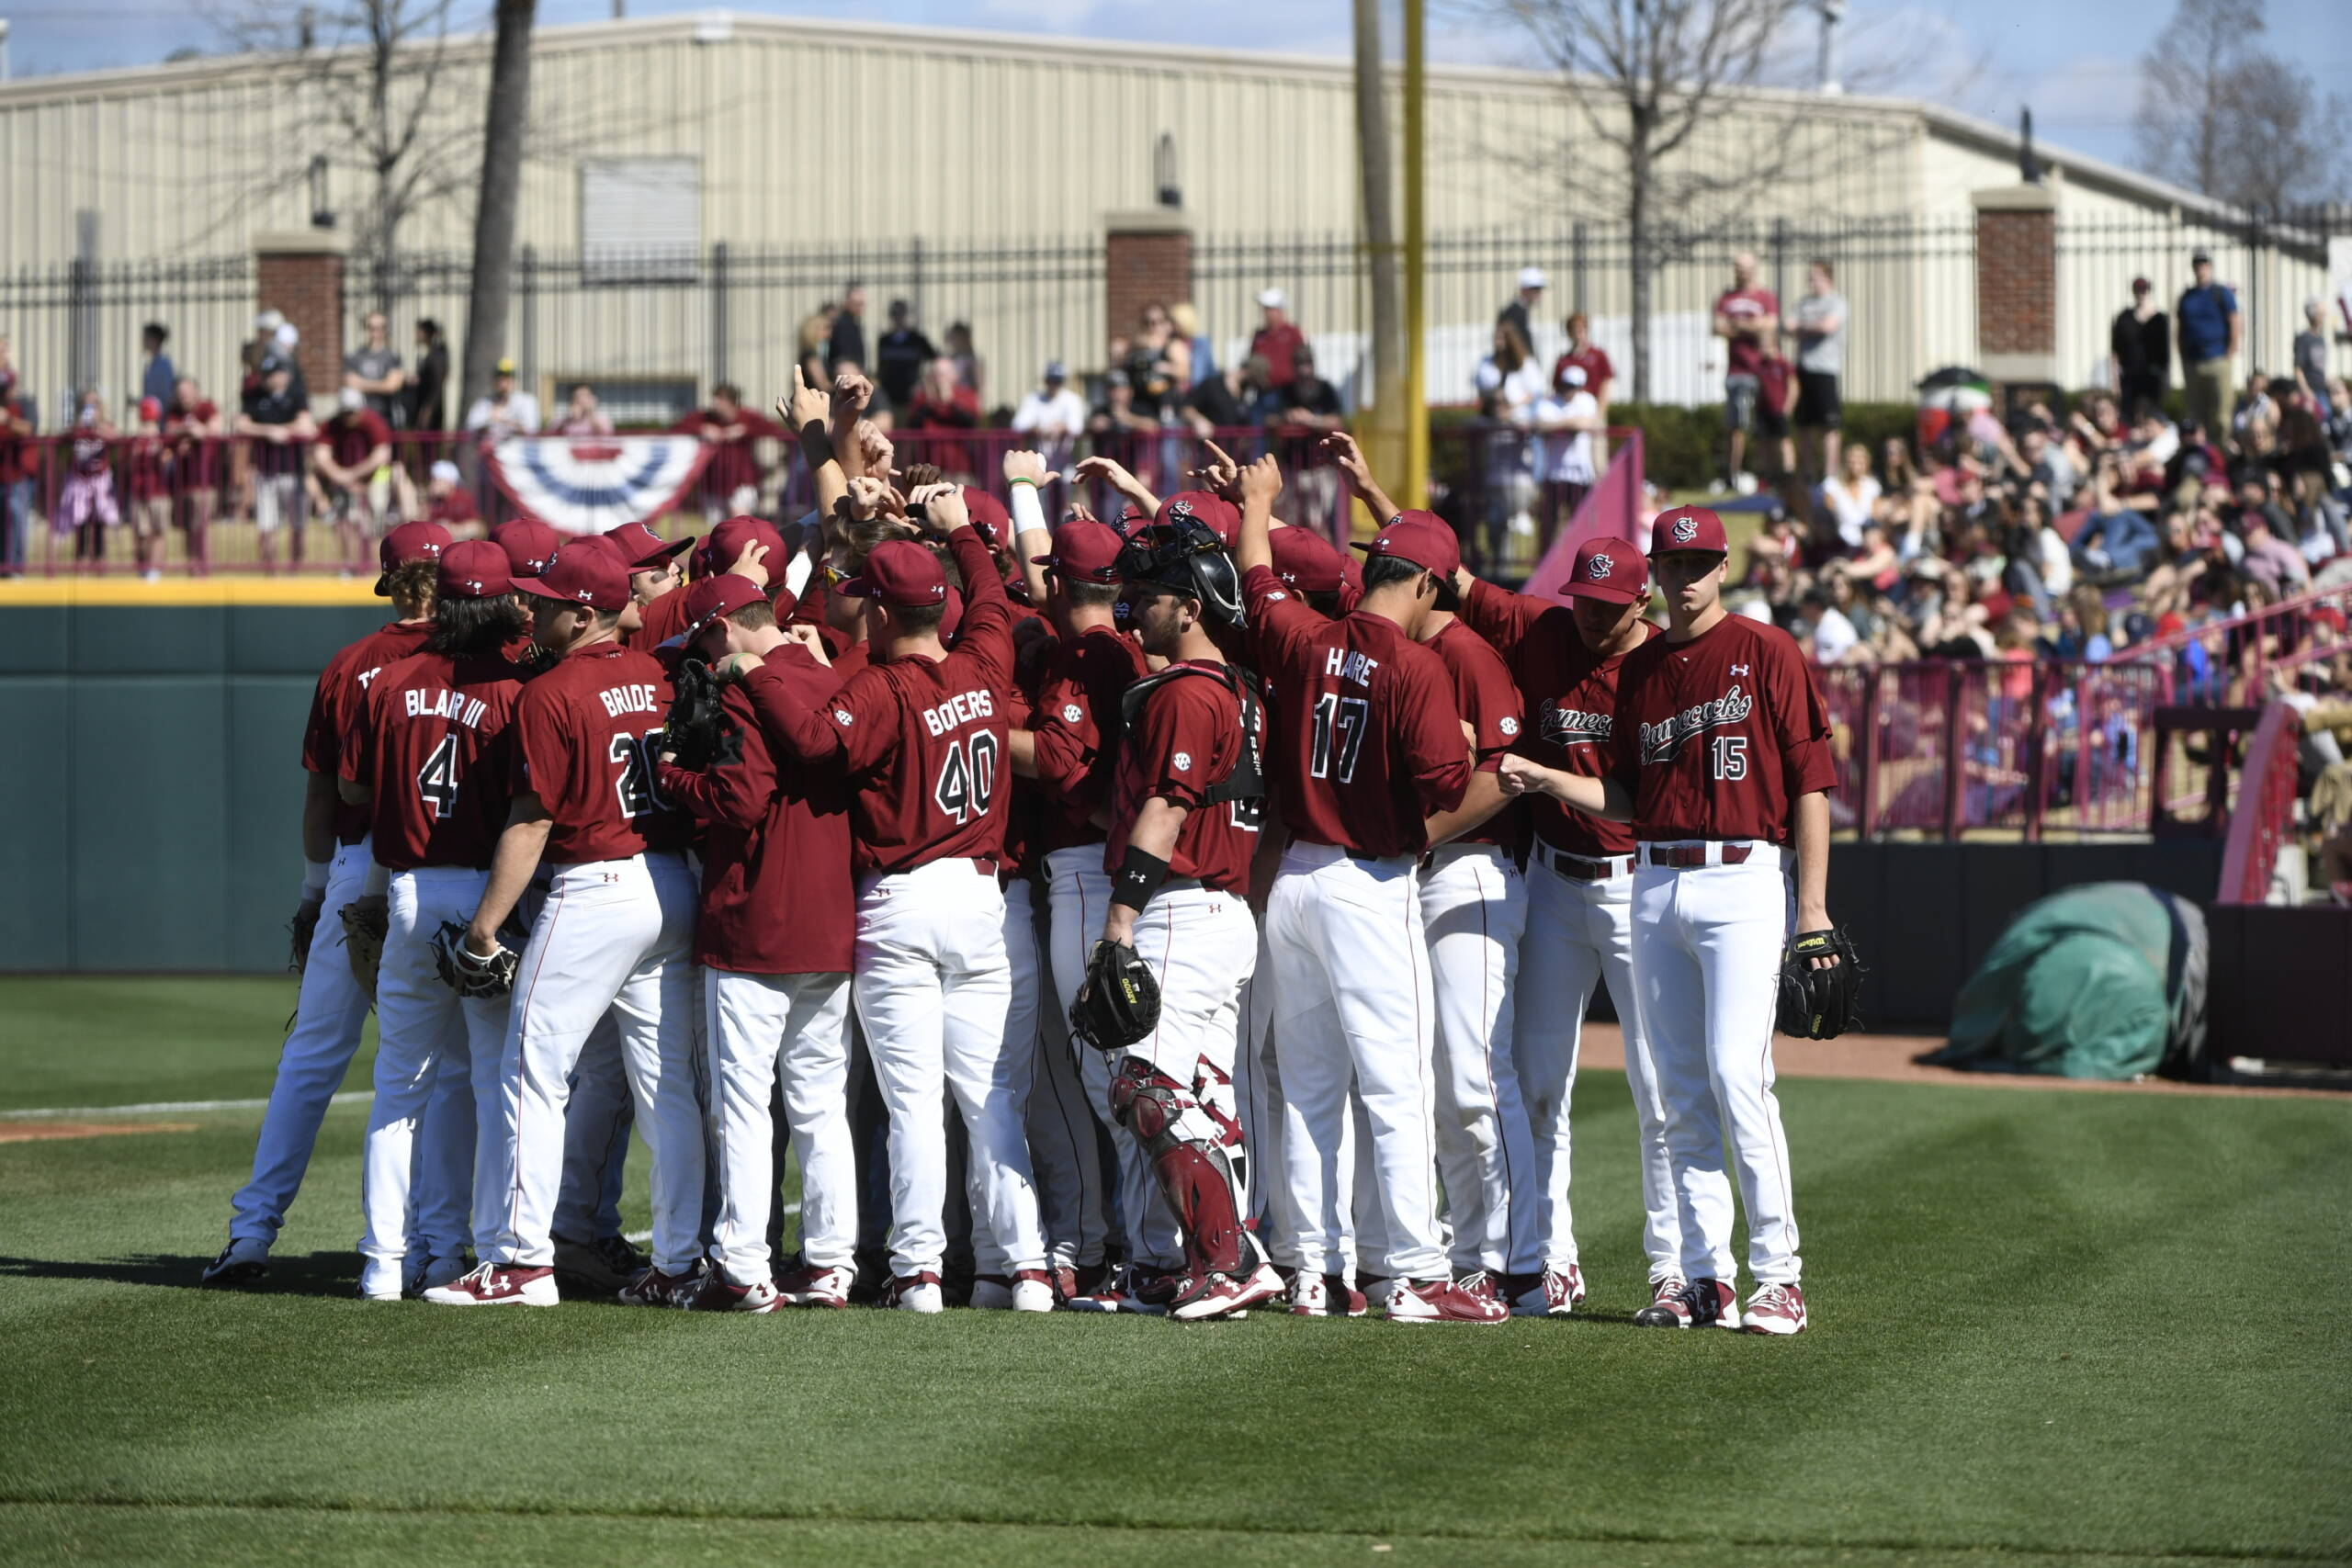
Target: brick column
1146,256
2016,283
300,274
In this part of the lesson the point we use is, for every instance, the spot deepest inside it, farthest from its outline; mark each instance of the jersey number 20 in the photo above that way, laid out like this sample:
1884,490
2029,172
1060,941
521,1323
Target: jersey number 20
966,778
639,797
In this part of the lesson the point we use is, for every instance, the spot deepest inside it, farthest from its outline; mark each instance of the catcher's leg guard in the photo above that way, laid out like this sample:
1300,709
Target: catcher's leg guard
1186,1147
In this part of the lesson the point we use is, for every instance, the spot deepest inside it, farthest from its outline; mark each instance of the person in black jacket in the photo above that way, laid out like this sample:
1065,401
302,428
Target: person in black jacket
2141,344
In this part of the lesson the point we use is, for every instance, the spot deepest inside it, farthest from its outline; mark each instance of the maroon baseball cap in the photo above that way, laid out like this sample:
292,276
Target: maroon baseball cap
529,544
585,571
901,574
641,547
1420,537
728,541
1307,561
989,517
1084,550
721,594
951,614
1688,528
475,569
1222,516
410,541
1606,569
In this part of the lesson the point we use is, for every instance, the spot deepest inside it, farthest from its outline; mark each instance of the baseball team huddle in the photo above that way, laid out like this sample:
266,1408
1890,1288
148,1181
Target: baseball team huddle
1244,900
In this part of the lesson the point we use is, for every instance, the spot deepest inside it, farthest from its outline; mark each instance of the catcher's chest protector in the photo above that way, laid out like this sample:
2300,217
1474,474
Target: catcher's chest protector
1246,782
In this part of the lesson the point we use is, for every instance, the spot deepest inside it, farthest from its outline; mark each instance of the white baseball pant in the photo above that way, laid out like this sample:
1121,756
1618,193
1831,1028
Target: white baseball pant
1707,943
596,1121
329,1014
760,1028
1352,995
1579,934
933,992
1473,906
1257,1096
1077,892
436,1057
613,935
1202,946
1062,1150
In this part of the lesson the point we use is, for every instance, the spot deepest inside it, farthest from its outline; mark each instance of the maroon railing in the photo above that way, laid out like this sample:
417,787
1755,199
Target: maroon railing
2262,818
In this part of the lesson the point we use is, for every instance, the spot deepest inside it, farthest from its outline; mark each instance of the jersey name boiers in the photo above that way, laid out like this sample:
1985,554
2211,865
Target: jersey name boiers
961,709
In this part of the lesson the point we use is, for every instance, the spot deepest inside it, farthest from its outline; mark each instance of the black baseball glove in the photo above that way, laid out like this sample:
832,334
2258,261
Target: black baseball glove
1820,1004
696,729
1118,1002
464,972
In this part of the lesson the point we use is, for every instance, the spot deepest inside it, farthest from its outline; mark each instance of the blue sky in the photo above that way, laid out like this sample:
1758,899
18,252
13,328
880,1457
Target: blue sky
2075,60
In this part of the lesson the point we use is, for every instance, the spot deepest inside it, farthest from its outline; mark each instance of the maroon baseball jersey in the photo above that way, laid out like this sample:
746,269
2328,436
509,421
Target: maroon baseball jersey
585,737
1571,697
1077,700
336,705
923,740
431,742
1186,739
354,434
1367,741
1491,706
665,619
1718,736
777,897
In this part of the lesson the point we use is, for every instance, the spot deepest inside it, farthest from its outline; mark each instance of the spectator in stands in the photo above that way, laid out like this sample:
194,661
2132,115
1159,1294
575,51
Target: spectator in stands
160,376
1851,495
2118,543
147,469
1307,403
970,369
2253,407
1748,318
1824,631
1277,340
2310,357
2272,558
733,476
373,370
1151,360
1567,426
845,344
1228,400
1820,333
2140,345
2045,461
582,416
351,466
816,338
86,501
900,356
1520,314
1200,354
276,422
425,395
504,411
448,502
1116,416
1599,378
19,469
192,429
2339,424
1053,416
942,402
2209,328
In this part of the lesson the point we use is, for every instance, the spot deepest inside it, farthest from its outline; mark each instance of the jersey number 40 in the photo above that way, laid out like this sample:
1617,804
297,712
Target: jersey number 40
966,778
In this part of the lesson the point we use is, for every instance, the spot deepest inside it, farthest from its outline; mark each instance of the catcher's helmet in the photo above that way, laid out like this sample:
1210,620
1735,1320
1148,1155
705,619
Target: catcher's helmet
1184,557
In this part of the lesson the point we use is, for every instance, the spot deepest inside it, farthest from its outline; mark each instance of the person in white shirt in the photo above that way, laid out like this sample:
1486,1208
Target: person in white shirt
1565,423
1823,629
506,412
1851,493
1053,416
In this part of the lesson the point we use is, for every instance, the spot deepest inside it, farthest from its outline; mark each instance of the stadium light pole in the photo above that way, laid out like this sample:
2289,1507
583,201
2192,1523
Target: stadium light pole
1417,417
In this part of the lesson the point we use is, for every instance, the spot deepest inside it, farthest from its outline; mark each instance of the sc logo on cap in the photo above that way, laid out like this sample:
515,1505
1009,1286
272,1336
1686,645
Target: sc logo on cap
1685,530
1599,567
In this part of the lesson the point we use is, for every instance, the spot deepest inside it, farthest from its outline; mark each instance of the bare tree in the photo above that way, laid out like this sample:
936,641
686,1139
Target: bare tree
2222,116
501,178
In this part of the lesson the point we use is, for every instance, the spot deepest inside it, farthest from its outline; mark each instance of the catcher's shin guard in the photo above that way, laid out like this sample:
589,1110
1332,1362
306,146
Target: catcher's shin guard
1187,1147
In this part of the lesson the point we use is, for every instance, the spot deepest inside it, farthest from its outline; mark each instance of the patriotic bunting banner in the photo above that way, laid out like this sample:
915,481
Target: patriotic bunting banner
587,485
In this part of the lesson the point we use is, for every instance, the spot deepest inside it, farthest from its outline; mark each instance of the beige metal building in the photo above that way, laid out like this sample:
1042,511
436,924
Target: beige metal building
695,184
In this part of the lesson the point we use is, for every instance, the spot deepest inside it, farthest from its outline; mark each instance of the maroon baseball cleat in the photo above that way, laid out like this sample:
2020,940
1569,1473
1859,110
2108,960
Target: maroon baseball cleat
1442,1301
655,1289
1203,1296
720,1295
1699,1304
1775,1309
806,1287
1478,1284
494,1284
1149,1290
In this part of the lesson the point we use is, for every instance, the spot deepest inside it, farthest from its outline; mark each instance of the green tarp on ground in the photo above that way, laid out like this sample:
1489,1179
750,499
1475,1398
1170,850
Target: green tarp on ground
2103,981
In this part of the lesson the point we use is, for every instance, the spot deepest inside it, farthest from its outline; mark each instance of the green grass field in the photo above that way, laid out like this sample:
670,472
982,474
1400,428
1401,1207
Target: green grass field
2087,1328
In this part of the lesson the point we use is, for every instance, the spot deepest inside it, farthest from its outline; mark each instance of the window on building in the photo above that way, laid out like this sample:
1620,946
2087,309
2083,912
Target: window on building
641,219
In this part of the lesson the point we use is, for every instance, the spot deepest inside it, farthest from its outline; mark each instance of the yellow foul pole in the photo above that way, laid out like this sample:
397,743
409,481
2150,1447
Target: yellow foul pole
1417,417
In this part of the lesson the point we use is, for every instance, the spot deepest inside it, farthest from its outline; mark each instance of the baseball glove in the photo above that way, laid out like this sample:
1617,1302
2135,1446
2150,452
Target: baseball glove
697,723
464,972
365,923
1820,1004
1118,1002
299,933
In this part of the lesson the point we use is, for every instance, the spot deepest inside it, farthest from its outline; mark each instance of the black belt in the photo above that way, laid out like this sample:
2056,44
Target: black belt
1583,868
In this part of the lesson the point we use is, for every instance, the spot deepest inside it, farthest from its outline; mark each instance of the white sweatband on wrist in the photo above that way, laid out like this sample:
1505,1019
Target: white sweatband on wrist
797,575
314,880
1028,512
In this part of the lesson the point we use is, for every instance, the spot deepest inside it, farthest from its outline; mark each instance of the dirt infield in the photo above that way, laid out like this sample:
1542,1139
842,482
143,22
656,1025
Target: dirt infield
1890,1058
57,1131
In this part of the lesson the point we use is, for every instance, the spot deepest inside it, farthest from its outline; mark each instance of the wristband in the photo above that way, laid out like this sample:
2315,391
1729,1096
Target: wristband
1139,877
314,881
1024,479
1028,512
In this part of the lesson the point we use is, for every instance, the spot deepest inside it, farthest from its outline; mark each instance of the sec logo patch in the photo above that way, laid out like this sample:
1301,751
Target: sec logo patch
1072,713
1508,725
1183,760
843,715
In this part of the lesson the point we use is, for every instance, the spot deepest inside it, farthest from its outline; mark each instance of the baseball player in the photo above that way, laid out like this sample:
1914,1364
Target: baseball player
530,544
1719,758
774,943
656,582
427,758
332,1007
1186,801
1581,894
920,734
1368,749
611,935
1069,748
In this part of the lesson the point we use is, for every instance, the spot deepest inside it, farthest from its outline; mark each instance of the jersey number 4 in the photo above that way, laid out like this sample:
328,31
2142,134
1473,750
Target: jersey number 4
1729,756
967,778
635,755
437,782
1339,724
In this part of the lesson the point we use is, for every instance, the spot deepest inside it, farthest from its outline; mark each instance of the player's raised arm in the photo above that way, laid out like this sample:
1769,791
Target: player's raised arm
1261,481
